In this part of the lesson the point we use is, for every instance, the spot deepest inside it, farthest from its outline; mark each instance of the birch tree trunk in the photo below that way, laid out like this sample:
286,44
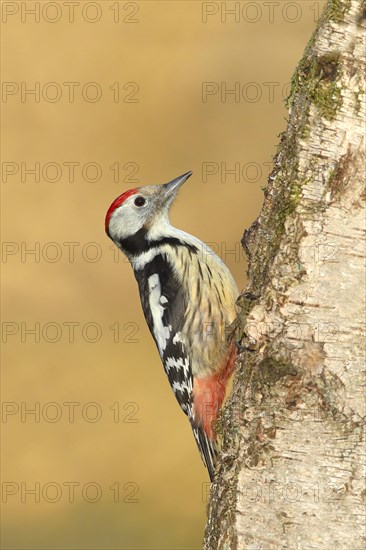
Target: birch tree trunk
290,475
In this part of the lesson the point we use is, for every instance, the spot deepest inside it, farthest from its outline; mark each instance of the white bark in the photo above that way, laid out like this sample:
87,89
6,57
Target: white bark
291,474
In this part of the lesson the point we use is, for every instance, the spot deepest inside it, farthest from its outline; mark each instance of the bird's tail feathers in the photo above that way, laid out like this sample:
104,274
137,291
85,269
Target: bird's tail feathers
208,448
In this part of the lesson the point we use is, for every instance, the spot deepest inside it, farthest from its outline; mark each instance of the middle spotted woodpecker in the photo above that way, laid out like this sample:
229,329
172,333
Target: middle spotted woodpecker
188,298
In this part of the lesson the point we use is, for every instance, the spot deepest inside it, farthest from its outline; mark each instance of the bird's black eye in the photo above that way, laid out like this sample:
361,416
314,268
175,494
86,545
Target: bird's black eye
139,201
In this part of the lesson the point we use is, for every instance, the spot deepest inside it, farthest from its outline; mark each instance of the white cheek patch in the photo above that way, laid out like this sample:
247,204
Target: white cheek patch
161,332
126,220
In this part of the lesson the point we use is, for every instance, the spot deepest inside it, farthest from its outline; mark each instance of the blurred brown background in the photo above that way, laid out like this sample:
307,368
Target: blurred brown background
108,454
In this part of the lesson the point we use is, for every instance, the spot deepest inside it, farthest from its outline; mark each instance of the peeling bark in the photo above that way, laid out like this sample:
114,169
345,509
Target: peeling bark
290,474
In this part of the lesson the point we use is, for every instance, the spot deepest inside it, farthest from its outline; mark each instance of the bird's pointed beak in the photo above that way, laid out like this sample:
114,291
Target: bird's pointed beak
171,188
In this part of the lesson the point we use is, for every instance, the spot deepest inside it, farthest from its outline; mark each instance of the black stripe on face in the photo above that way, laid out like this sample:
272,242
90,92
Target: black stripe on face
138,243
135,243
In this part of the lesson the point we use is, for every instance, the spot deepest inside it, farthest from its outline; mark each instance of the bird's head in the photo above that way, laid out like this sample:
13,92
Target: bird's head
141,212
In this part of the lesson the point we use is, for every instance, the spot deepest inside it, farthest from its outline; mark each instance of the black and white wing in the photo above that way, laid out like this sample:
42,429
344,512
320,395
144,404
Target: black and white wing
164,305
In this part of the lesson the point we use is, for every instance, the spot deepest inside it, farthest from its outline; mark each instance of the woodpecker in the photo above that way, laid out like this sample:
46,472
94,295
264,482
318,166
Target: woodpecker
188,297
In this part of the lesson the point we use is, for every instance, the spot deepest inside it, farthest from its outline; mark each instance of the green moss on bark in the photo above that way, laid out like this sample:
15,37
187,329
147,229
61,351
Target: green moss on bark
316,79
315,88
337,10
